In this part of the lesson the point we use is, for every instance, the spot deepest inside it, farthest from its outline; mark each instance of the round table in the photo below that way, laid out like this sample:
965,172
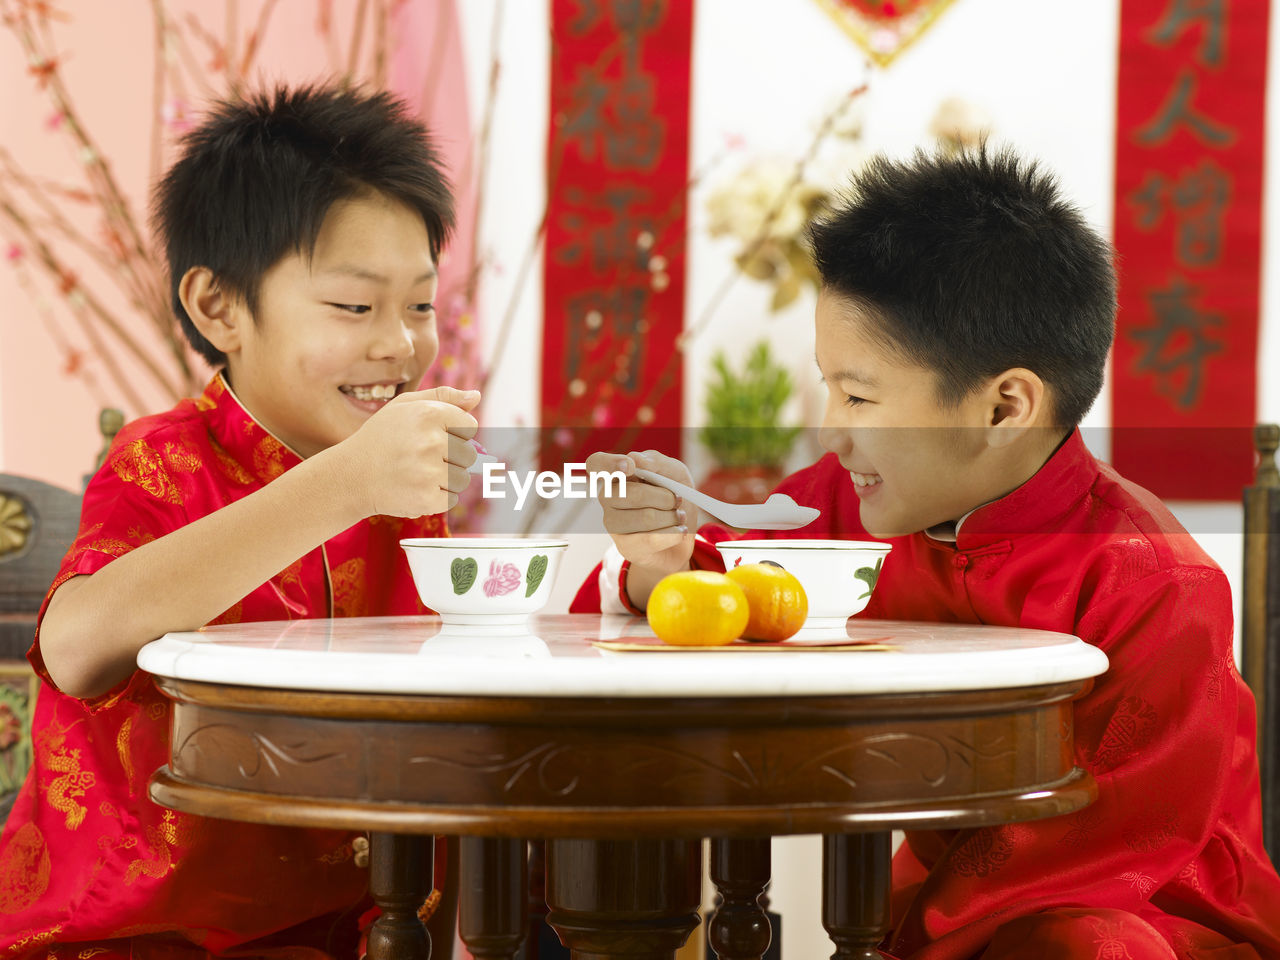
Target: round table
621,761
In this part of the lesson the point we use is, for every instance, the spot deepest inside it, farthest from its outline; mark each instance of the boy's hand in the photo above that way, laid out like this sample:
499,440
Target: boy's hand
410,458
650,525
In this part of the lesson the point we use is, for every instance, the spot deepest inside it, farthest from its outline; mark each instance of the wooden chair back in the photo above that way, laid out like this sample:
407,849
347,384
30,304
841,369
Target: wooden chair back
1260,627
38,521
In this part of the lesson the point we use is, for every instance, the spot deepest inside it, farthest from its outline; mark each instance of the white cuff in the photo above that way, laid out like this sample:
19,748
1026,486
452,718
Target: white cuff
611,582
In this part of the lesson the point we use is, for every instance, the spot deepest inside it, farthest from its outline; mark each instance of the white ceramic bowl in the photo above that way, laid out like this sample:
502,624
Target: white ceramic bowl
837,575
484,580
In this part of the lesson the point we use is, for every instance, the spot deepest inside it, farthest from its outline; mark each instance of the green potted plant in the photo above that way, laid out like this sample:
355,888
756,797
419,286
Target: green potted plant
744,433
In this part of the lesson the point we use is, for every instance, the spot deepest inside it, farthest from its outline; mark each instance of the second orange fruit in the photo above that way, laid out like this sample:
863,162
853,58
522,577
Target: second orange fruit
775,598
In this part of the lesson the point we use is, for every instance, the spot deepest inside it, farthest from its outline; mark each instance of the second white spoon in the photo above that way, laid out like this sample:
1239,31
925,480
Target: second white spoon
779,512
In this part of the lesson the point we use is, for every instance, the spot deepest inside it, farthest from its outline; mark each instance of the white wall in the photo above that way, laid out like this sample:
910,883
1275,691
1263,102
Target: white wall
765,71
514,196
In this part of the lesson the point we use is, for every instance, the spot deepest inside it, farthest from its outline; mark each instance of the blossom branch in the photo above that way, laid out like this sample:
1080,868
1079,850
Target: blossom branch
67,283
762,235
254,43
380,44
482,150
184,61
357,39
231,10
218,62
74,364
110,197
159,74
435,65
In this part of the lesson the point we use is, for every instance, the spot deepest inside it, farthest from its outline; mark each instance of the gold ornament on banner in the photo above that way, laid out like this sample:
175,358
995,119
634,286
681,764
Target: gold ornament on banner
884,28
15,525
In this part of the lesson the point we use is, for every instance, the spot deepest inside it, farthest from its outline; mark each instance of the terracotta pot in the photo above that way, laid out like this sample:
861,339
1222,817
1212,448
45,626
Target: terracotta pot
741,484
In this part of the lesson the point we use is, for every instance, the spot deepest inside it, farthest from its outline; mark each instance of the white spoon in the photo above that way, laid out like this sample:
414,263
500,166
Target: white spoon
482,458
779,512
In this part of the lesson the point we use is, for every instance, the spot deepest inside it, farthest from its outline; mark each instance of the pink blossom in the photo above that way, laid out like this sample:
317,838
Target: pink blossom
503,578
14,253
54,120
465,330
175,115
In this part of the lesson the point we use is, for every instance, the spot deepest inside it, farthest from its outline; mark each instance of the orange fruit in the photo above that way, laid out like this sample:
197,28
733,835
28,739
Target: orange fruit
775,598
696,608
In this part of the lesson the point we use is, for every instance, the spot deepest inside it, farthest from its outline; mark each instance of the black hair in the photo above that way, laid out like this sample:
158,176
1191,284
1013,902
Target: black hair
972,264
256,178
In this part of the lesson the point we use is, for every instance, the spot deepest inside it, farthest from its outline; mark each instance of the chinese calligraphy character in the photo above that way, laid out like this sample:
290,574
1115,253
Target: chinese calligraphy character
586,17
1199,199
1183,13
1149,199
615,116
619,311
584,121
612,101
1178,110
630,17
613,244
1179,342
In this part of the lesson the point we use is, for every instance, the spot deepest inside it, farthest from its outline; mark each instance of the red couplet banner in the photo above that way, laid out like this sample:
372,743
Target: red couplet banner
1188,224
617,167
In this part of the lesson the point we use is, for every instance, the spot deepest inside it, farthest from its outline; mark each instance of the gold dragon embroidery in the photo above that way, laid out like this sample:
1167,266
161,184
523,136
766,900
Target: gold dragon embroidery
122,750
268,458
174,831
73,783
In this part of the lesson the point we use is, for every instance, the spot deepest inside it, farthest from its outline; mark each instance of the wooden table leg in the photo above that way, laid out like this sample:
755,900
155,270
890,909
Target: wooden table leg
632,899
492,911
399,881
740,870
855,892
443,923
537,899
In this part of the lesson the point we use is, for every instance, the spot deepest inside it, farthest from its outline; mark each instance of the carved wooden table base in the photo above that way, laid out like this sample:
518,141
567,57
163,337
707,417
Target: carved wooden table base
582,773
632,899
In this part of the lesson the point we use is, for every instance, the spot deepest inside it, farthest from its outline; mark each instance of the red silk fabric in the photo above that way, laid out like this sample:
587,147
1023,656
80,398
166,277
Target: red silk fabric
1173,845
617,171
86,859
1188,231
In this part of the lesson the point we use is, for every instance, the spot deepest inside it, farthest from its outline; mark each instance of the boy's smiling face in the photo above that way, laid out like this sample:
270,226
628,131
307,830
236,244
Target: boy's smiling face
914,462
338,334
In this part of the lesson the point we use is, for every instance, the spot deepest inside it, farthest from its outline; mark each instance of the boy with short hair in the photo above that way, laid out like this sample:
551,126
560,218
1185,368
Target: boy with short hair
302,230
962,330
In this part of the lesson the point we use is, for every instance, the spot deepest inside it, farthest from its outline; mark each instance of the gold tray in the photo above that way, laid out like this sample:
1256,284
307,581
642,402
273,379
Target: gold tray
654,645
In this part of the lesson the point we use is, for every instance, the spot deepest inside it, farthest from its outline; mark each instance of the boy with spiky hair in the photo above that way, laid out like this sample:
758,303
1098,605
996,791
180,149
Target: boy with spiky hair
302,230
962,331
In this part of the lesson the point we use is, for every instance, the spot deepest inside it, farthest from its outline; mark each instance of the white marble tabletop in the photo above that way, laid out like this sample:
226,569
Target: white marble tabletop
552,656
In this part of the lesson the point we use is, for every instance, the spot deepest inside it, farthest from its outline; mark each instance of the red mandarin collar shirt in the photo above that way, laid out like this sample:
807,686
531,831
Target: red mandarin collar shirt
1168,732
86,859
